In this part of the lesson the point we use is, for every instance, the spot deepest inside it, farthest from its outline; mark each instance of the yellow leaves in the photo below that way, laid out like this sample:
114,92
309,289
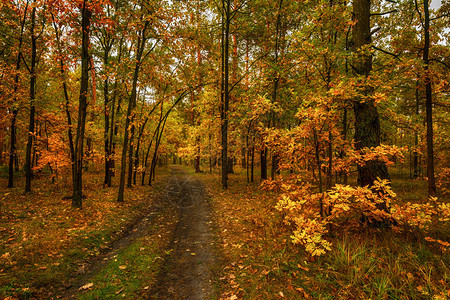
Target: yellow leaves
309,233
422,215
87,286
444,245
384,153
343,205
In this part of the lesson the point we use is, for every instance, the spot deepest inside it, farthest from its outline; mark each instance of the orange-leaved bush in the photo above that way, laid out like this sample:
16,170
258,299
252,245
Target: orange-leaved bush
348,207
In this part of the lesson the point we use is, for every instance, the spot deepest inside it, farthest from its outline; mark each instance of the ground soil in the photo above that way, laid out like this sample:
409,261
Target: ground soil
188,272
191,260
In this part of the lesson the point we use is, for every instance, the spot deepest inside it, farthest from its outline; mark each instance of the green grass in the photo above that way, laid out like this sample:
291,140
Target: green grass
128,273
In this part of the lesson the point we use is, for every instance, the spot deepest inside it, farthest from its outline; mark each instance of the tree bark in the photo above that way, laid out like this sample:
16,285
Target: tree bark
66,94
15,110
28,162
130,158
225,95
264,163
130,114
367,122
416,137
138,146
428,103
106,117
77,178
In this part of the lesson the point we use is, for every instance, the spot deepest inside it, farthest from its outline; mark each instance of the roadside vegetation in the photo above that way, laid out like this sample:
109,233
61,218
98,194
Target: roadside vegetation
46,244
263,263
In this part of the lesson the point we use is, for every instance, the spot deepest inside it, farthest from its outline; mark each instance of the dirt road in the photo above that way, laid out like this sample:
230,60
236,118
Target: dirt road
188,272
190,258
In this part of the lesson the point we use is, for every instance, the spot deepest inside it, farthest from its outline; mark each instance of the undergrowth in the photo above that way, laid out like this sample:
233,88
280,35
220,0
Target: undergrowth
44,242
369,263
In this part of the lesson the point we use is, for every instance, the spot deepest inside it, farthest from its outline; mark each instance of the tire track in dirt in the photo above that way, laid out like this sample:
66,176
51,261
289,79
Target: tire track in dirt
191,257
188,271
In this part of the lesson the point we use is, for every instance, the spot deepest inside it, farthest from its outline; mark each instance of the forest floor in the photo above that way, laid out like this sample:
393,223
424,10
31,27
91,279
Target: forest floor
186,268
187,238
159,245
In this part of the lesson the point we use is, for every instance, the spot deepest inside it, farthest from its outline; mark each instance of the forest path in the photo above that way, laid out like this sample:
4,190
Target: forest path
190,258
188,272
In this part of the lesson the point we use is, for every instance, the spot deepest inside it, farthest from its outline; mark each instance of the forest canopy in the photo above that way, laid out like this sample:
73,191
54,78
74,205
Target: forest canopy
318,100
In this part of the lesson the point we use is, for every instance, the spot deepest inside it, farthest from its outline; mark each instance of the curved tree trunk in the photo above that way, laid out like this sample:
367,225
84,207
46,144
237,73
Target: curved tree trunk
130,114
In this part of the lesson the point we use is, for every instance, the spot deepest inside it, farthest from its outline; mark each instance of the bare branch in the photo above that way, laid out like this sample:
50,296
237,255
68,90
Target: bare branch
441,16
384,13
397,56
439,61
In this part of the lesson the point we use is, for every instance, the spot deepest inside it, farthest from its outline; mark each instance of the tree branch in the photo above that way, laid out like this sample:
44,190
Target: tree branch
437,60
441,16
397,56
384,13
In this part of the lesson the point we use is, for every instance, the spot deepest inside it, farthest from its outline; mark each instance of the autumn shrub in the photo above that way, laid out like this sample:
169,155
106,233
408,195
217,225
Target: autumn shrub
443,181
313,216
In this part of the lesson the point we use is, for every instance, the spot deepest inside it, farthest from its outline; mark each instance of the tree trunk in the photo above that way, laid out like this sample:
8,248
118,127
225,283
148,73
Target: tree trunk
66,94
82,107
428,103
319,168
264,163
106,112
230,162
138,146
15,110
225,96
367,122
28,162
344,137
12,150
155,154
252,168
416,138
130,158
130,114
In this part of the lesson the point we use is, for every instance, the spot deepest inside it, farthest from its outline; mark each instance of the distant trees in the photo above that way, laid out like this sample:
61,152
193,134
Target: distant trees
320,90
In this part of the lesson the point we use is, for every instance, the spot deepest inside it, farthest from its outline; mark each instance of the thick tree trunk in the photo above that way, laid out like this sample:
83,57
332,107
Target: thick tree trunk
367,122
77,200
230,162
